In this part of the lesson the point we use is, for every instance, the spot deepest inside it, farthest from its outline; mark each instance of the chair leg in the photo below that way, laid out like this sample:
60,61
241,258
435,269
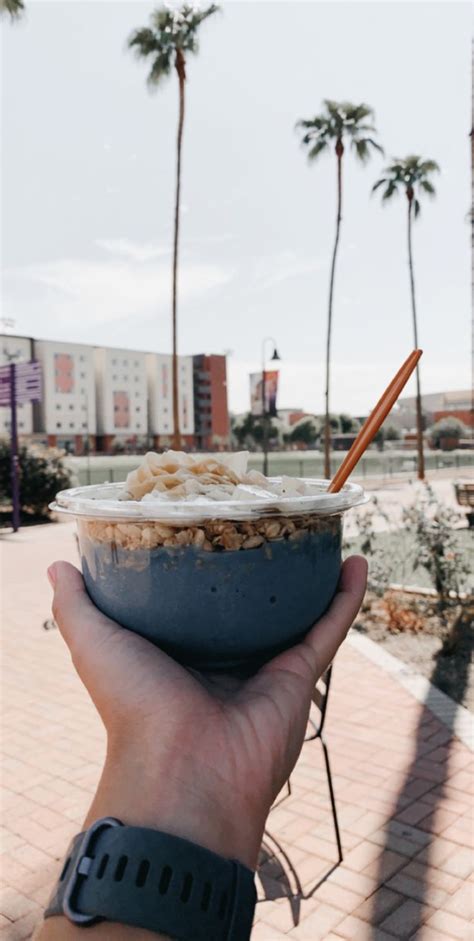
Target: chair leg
333,800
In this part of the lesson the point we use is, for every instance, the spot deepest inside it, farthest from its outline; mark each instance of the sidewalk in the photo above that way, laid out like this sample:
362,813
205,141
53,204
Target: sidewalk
402,782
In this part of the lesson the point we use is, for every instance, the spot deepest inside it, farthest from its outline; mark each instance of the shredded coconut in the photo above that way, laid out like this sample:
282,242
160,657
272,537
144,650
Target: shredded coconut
175,475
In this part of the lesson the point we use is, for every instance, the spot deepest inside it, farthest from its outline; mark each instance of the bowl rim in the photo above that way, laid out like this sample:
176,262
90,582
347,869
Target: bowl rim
100,501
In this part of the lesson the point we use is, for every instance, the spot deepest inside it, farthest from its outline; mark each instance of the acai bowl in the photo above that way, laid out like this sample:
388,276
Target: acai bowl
219,566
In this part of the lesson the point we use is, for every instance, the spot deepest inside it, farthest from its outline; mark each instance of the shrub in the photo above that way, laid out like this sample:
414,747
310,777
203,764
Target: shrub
392,433
42,474
306,431
447,428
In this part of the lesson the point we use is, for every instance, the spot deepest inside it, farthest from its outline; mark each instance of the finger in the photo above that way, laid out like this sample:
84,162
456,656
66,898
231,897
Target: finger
78,619
325,638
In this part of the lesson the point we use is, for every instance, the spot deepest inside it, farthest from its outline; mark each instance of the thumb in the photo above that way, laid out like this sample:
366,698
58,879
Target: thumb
81,624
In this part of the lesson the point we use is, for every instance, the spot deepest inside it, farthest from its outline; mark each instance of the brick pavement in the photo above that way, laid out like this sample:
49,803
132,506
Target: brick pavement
403,786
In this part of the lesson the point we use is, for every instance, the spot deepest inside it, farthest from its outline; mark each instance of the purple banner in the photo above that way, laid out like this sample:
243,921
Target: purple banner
29,384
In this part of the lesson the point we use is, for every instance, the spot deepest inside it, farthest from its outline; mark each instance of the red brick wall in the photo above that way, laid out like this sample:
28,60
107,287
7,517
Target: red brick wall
464,414
219,410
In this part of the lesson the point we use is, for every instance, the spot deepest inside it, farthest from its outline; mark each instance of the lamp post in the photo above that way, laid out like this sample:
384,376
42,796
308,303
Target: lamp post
265,414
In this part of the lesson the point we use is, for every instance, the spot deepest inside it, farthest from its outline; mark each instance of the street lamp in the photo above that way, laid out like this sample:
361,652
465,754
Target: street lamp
265,415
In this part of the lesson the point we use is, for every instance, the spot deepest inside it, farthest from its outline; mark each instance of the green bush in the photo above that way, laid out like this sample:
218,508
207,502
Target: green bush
306,431
42,474
447,428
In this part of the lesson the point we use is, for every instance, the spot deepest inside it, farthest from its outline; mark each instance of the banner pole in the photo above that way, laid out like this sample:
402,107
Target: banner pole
14,449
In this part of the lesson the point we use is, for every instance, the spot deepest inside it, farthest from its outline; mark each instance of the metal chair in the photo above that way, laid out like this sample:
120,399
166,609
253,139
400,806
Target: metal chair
320,699
315,731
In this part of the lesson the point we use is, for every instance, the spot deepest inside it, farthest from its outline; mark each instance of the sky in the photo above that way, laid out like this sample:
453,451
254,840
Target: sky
87,190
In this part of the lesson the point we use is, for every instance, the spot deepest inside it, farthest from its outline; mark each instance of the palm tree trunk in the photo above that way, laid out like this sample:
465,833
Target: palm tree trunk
327,426
419,413
181,70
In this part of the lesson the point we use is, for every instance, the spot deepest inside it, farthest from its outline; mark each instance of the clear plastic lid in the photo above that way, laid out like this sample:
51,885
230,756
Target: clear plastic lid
102,502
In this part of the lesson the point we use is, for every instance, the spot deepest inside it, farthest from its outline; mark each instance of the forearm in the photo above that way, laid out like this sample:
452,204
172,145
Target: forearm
60,929
140,792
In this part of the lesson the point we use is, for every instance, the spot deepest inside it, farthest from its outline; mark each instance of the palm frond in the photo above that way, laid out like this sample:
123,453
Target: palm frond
430,166
14,7
391,190
318,148
417,208
171,29
144,42
383,179
361,149
428,187
160,69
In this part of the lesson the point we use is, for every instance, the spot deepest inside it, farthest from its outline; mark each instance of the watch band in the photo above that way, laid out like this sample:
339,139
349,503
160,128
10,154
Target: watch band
156,881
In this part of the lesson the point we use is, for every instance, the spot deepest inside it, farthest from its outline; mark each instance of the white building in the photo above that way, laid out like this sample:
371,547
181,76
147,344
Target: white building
160,394
16,350
67,413
121,389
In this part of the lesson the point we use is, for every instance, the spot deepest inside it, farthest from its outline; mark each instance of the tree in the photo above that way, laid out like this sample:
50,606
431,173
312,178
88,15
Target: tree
14,7
447,428
339,121
412,176
392,433
42,474
348,424
166,42
306,431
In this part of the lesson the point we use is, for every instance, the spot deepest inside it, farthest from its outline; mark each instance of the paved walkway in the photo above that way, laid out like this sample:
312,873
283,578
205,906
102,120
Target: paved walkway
402,783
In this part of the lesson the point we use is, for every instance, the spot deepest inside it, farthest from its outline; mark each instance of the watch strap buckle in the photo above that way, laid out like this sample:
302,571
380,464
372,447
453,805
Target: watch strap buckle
81,866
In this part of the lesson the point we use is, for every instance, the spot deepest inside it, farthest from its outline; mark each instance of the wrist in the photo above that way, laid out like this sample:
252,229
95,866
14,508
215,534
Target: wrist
174,796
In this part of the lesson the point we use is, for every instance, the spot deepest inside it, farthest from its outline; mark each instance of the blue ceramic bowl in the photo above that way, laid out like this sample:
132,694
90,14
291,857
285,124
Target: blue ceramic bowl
217,610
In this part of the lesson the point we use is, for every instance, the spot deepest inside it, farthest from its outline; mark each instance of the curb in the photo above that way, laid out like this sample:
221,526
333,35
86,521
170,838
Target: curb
454,716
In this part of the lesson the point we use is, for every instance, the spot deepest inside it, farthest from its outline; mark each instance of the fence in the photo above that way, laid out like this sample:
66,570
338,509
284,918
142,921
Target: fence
99,469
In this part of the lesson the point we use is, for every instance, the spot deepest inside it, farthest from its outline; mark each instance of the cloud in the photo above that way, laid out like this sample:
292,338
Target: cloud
283,266
134,251
80,293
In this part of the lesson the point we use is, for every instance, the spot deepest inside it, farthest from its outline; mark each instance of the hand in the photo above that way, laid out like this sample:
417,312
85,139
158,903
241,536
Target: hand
202,757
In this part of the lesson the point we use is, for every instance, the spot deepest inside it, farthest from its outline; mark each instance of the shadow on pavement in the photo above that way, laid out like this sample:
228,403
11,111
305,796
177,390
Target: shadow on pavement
395,828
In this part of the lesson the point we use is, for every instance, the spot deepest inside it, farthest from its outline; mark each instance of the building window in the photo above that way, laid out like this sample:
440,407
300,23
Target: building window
137,362
71,407
82,359
138,408
58,424
64,372
137,378
114,377
114,362
58,406
125,362
164,381
125,378
83,375
84,424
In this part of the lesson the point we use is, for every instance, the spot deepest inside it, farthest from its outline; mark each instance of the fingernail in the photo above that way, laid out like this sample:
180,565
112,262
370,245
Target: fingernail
51,573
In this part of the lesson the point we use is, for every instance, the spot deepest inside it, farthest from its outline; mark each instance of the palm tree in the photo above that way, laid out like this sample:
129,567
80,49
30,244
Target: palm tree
411,175
14,7
171,35
338,122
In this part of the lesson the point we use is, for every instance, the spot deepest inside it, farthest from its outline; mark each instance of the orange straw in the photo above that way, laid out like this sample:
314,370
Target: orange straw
374,421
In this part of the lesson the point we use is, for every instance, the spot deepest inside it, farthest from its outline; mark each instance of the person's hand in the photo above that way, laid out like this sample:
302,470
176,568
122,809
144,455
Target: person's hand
200,757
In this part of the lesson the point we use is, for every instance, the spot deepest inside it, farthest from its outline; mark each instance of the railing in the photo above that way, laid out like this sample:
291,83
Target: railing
98,469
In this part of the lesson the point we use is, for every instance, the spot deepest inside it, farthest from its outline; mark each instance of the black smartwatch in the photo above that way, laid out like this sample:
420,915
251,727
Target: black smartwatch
155,881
